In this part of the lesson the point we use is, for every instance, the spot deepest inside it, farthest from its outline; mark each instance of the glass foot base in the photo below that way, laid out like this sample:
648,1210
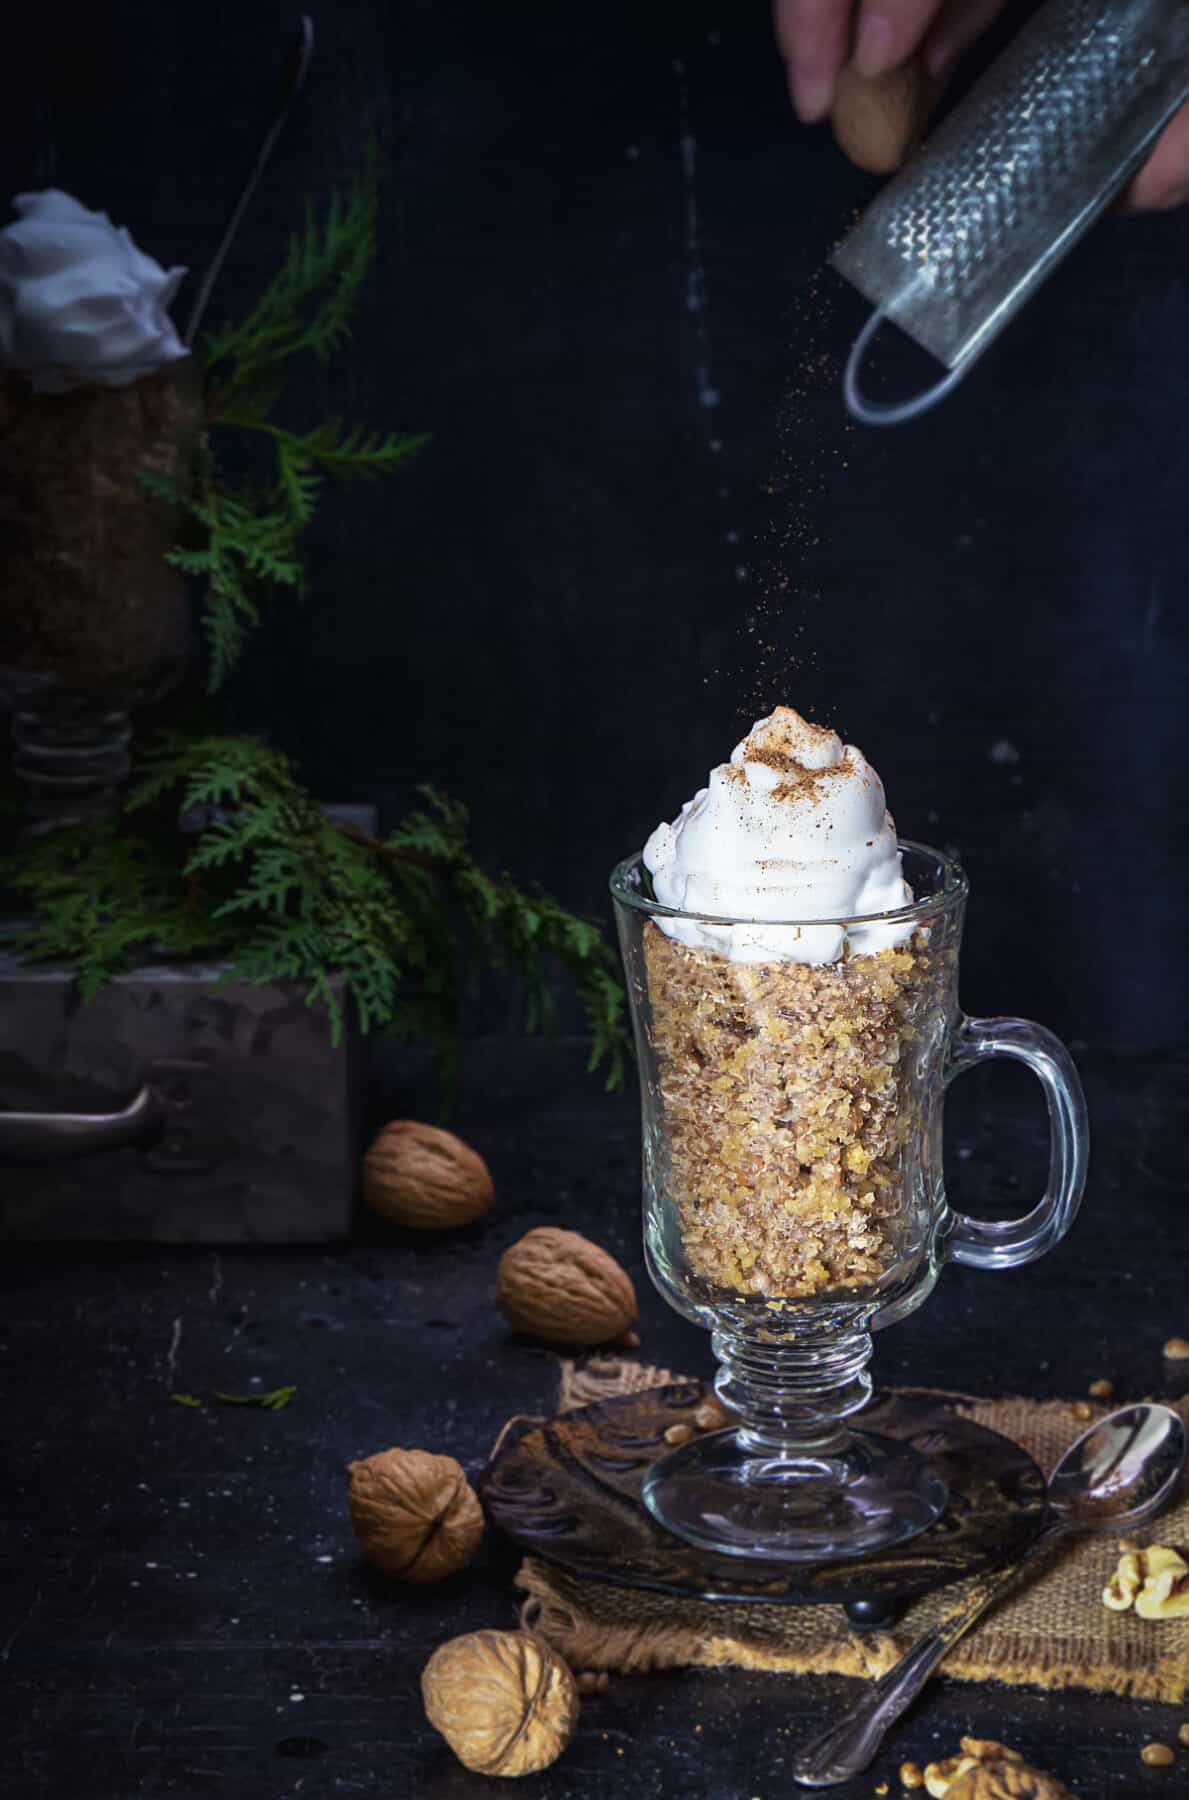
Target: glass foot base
870,1492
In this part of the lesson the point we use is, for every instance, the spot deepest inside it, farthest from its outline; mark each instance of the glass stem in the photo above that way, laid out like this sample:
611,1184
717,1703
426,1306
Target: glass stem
72,759
794,1386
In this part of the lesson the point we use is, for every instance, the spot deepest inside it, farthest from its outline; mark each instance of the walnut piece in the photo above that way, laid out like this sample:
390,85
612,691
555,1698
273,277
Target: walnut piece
504,1701
1155,1581
985,1770
939,1776
559,1287
415,1515
426,1178
1124,1584
711,1415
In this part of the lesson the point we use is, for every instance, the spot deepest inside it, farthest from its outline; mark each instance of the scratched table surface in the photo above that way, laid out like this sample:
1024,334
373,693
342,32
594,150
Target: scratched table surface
184,1609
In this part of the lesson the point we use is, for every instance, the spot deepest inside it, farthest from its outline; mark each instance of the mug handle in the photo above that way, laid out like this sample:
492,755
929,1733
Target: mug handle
1004,1244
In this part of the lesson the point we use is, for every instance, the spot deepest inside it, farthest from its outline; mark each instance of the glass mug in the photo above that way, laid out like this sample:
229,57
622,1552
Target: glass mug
794,1197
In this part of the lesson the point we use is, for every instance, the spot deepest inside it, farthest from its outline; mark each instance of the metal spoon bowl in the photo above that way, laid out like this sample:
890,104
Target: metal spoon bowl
1122,1471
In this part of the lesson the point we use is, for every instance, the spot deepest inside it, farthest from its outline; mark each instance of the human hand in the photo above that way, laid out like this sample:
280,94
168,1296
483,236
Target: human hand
816,39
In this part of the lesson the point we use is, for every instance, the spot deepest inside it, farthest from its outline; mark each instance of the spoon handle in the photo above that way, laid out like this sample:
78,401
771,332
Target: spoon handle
851,1744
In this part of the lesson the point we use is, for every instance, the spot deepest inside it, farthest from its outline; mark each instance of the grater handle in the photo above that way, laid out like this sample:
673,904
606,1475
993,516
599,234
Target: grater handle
889,412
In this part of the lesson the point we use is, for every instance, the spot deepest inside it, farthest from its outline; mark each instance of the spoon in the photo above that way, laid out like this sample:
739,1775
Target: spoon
1120,1472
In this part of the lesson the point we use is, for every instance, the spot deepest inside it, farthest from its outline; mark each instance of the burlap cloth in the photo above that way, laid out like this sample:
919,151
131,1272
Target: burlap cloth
1055,1632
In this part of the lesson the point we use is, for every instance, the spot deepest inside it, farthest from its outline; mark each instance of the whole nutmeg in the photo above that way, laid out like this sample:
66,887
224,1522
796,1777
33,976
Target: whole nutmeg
877,119
557,1286
416,1516
419,1175
504,1701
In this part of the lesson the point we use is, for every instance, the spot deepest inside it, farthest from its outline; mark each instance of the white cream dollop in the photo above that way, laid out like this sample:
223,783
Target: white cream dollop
794,827
80,305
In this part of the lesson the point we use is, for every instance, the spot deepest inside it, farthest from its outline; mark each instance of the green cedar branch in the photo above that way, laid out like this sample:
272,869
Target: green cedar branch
268,883
244,540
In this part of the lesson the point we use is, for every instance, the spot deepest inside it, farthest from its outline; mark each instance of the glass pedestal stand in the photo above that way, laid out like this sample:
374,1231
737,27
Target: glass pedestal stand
793,1480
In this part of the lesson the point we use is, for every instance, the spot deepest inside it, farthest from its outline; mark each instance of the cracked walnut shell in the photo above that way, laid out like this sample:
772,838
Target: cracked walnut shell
416,1516
1155,1581
986,1770
426,1178
504,1701
559,1287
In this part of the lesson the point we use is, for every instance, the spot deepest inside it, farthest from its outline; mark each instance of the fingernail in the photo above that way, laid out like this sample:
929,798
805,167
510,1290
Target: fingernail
875,51
812,95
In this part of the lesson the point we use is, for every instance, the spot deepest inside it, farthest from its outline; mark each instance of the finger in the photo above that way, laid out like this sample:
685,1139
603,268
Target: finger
1164,179
957,26
814,39
889,31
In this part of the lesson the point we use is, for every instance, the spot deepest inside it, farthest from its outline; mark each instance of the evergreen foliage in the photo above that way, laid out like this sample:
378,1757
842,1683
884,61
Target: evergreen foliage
243,539
262,877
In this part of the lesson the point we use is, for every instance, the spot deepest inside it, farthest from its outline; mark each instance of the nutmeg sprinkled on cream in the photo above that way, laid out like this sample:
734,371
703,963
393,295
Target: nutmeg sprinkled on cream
794,828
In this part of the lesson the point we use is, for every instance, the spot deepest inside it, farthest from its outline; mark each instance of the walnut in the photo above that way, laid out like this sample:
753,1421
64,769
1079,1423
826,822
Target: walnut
986,1770
877,119
1006,1781
1155,1581
504,1701
939,1777
1124,1584
421,1176
559,1287
1165,1593
415,1515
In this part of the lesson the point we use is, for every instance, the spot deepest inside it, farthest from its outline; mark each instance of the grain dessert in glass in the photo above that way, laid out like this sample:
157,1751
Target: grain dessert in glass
792,971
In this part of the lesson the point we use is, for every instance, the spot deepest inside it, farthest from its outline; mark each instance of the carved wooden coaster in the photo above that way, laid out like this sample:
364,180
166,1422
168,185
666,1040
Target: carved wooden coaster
570,1491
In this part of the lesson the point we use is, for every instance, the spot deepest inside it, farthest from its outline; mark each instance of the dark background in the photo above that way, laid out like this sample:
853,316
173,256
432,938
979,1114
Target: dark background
643,518
564,613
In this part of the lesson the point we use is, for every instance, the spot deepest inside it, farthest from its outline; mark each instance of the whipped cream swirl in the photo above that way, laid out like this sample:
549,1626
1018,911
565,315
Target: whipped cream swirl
794,827
80,305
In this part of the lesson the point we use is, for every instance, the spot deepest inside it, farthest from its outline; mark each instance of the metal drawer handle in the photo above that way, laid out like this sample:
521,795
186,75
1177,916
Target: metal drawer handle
52,1137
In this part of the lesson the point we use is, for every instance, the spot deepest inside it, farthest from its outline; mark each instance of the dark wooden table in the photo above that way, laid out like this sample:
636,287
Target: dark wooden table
185,1612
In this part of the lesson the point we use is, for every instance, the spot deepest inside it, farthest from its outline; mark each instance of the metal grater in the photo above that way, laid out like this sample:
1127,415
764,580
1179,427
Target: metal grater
955,244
